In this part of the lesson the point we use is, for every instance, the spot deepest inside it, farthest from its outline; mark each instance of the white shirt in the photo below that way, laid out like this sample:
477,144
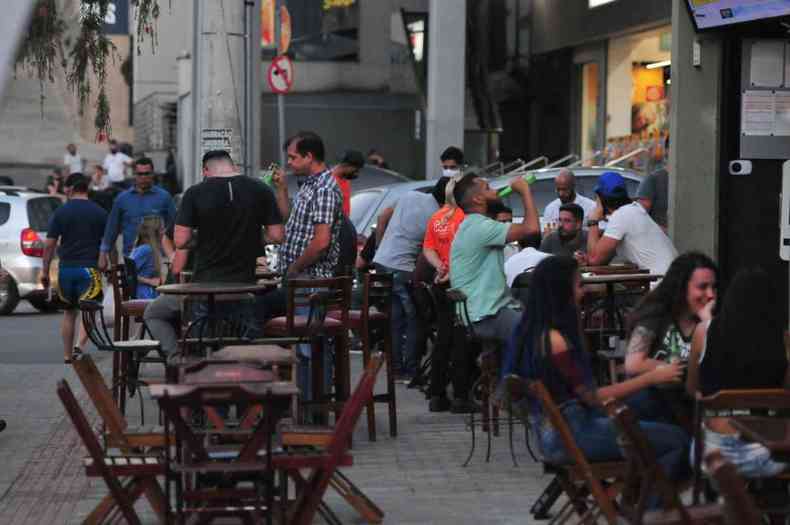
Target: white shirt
642,241
521,262
115,166
74,162
552,211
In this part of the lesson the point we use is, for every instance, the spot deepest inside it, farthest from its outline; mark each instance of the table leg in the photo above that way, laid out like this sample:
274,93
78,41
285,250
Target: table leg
212,323
317,376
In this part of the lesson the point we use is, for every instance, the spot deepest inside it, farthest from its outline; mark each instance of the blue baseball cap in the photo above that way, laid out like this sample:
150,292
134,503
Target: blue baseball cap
611,184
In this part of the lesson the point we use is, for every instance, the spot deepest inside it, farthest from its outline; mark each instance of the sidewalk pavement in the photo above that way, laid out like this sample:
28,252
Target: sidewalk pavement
416,478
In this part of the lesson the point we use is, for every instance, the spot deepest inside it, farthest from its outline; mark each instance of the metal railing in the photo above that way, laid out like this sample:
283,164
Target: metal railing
563,160
627,156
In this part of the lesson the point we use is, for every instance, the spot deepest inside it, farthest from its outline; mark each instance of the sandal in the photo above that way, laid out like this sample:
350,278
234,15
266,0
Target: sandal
77,351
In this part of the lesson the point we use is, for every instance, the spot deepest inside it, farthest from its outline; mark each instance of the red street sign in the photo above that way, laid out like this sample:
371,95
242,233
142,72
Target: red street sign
281,75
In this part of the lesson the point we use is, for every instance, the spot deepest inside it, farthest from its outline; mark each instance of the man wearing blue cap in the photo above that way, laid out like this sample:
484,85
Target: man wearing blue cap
630,232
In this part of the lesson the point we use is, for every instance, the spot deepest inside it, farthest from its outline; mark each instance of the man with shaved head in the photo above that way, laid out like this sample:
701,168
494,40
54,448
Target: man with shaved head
565,185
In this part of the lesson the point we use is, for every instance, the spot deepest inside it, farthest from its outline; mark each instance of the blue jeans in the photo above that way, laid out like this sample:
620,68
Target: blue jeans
596,436
403,323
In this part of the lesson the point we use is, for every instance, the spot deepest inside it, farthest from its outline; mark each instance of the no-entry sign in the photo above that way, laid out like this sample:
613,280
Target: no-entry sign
281,75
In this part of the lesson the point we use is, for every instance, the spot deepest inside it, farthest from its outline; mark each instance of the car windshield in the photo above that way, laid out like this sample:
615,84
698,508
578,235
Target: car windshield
39,212
360,206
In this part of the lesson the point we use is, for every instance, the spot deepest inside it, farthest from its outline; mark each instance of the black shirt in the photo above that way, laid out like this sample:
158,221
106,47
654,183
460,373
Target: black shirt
228,213
80,226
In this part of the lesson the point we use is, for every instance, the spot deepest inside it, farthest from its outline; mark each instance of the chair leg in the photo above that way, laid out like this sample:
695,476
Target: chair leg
370,409
393,411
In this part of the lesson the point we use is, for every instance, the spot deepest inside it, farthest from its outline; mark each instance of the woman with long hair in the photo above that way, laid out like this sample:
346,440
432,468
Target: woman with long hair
741,348
662,324
548,346
147,257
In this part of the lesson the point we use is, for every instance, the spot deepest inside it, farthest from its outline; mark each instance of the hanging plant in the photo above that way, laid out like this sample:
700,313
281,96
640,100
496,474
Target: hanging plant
89,55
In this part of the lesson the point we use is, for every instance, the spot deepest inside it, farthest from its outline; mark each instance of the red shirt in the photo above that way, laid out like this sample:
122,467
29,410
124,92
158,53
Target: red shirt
345,189
440,232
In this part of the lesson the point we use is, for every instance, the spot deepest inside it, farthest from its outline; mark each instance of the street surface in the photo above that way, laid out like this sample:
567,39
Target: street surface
416,478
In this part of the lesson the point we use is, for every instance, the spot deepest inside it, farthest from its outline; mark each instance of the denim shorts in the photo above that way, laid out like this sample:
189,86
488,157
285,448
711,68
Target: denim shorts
752,460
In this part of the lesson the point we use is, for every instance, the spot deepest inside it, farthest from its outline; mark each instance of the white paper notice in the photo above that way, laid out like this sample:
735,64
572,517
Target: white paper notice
757,113
767,64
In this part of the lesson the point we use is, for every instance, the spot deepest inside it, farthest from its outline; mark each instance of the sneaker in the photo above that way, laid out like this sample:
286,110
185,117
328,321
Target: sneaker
463,406
439,404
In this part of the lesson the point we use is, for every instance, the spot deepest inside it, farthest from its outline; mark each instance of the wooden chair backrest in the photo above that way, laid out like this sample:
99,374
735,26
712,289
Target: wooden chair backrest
736,399
643,464
334,294
95,451
101,396
739,505
377,291
555,417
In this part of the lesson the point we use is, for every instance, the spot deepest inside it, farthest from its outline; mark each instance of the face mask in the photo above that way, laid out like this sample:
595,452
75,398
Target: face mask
451,172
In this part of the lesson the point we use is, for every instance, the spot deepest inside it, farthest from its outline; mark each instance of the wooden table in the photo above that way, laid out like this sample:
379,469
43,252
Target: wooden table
608,269
772,432
609,281
194,454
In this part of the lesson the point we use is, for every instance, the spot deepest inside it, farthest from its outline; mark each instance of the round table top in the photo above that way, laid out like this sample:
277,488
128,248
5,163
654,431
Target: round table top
216,288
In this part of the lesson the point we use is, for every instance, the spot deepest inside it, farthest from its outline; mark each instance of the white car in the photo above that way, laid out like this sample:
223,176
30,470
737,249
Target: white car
24,217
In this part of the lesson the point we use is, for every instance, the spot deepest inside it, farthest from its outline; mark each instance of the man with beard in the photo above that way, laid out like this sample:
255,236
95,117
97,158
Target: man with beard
477,255
569,238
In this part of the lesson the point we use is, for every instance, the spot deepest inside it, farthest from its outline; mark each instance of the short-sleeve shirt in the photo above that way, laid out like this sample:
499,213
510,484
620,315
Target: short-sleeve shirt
524,261
74,162
115,166
145,262
319,201
656,188
402,241
229,214
440,232
477,265
80,226
552,211
642,241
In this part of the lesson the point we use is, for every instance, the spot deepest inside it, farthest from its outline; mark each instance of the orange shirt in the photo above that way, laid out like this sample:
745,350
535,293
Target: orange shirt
440,232
345,189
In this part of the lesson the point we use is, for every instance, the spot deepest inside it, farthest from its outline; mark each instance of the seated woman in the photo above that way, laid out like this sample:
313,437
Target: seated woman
742,347
663,322
547,346
147,257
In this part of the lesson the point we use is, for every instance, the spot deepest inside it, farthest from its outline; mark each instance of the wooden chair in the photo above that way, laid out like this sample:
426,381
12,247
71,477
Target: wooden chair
374,319
739,507
730,402
117,433
646,477
581,476
141,471
336,294
323,466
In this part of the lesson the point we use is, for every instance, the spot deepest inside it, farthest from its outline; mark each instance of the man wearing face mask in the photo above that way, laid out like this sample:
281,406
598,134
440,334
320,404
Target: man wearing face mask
115,164
452,159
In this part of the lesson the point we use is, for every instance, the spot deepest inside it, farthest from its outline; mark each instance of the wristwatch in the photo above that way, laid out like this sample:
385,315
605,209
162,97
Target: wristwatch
592,222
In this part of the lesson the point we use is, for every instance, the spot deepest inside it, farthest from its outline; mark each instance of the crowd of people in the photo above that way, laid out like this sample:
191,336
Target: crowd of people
461,236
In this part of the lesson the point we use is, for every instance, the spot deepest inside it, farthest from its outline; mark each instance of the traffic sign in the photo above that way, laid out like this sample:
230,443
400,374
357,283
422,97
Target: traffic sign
281,75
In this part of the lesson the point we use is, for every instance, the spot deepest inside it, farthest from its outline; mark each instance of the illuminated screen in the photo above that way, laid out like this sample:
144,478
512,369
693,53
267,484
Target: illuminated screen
716,13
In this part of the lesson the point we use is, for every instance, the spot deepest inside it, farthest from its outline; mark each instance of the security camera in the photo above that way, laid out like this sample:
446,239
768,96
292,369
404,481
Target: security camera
740,167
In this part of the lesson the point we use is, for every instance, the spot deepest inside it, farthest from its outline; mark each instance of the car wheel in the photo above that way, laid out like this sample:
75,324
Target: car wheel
9,296
42,305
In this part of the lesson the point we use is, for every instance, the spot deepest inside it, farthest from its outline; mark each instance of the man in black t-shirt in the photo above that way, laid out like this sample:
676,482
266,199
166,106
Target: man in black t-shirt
230,212
79,225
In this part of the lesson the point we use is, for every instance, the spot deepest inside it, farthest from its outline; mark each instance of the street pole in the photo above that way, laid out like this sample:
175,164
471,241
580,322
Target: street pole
252,92
280,97
190,177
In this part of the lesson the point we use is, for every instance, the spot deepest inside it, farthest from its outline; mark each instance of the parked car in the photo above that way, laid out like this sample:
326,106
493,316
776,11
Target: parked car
367,204
369,177
543,188
24,216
